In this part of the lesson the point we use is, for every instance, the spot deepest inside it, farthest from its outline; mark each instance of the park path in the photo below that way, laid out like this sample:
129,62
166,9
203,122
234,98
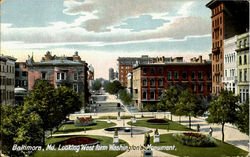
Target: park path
232,135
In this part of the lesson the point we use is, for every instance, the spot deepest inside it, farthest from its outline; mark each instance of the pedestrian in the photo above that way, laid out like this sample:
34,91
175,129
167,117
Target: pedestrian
210,131
198,128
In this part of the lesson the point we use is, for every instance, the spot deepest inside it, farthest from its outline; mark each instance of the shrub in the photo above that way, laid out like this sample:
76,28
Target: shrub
84,121
194,139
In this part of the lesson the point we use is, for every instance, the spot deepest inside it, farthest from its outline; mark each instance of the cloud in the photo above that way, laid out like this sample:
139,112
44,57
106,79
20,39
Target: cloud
112,12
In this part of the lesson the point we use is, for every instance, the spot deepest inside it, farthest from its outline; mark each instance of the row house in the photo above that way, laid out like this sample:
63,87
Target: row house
7,80
243,66
151,80
125,65
60,71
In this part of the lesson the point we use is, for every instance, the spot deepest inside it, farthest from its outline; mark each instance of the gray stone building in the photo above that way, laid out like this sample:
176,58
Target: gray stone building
7,80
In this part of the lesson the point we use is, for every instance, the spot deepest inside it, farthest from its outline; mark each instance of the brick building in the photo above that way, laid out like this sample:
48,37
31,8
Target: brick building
7,80
151,80
60,71
21,75
125,65
229,18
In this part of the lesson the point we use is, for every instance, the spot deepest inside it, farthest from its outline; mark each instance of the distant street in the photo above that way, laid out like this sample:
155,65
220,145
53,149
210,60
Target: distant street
105,103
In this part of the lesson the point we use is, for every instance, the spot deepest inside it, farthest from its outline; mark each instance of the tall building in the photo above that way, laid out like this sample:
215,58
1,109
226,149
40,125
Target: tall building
243,66
91,73
60,71
230,65
111,74
125,65
151,80
21,75
7,80
229,18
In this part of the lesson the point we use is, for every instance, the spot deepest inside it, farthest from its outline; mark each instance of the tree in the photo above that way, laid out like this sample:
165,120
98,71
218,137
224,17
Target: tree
97,84
114,87
19,128
52,105
223,109
242,122
189,105
42,101
9,127
169,100
125,96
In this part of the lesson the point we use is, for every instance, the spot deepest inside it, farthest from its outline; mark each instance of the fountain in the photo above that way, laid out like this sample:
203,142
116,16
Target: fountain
127,130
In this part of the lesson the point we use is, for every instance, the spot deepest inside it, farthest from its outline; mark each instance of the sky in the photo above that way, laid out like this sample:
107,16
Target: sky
103,30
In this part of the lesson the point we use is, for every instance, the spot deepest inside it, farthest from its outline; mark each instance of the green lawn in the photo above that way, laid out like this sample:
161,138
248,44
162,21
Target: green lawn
104,141
222,149
172,125
73,128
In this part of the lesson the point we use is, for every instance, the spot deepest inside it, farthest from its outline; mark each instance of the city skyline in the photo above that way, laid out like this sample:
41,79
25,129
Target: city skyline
103,31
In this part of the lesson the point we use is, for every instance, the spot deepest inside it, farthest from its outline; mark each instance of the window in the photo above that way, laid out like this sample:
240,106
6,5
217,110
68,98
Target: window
75,76
152,95
144,82
245,42
159,94
200,86
240,75
240,61
144,70
209,87
24,73
160,71
169,75
209,75
240,44
225,73
184,75
75,87
17,73
144,95
176,75
43,75
200,75
245,74
245,59
58,76
152,71
160,82
193,87
152,82
193,75
61,76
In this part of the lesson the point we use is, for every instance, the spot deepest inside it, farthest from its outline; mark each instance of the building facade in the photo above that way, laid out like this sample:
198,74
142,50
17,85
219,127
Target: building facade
60,71
21,75
151,80
243,66
229,18
230,65
7,80
125,65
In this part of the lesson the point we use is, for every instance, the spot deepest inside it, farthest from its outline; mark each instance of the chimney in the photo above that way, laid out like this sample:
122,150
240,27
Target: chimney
200,59
76,57
48,56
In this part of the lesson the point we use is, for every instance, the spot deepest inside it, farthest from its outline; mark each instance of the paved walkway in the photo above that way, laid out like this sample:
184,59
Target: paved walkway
232,135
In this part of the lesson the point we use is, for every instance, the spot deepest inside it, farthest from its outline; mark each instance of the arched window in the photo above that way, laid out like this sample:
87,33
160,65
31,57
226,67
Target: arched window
240,62
245,59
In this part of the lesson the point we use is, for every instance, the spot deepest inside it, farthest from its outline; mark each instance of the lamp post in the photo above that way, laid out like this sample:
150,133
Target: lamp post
131,131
